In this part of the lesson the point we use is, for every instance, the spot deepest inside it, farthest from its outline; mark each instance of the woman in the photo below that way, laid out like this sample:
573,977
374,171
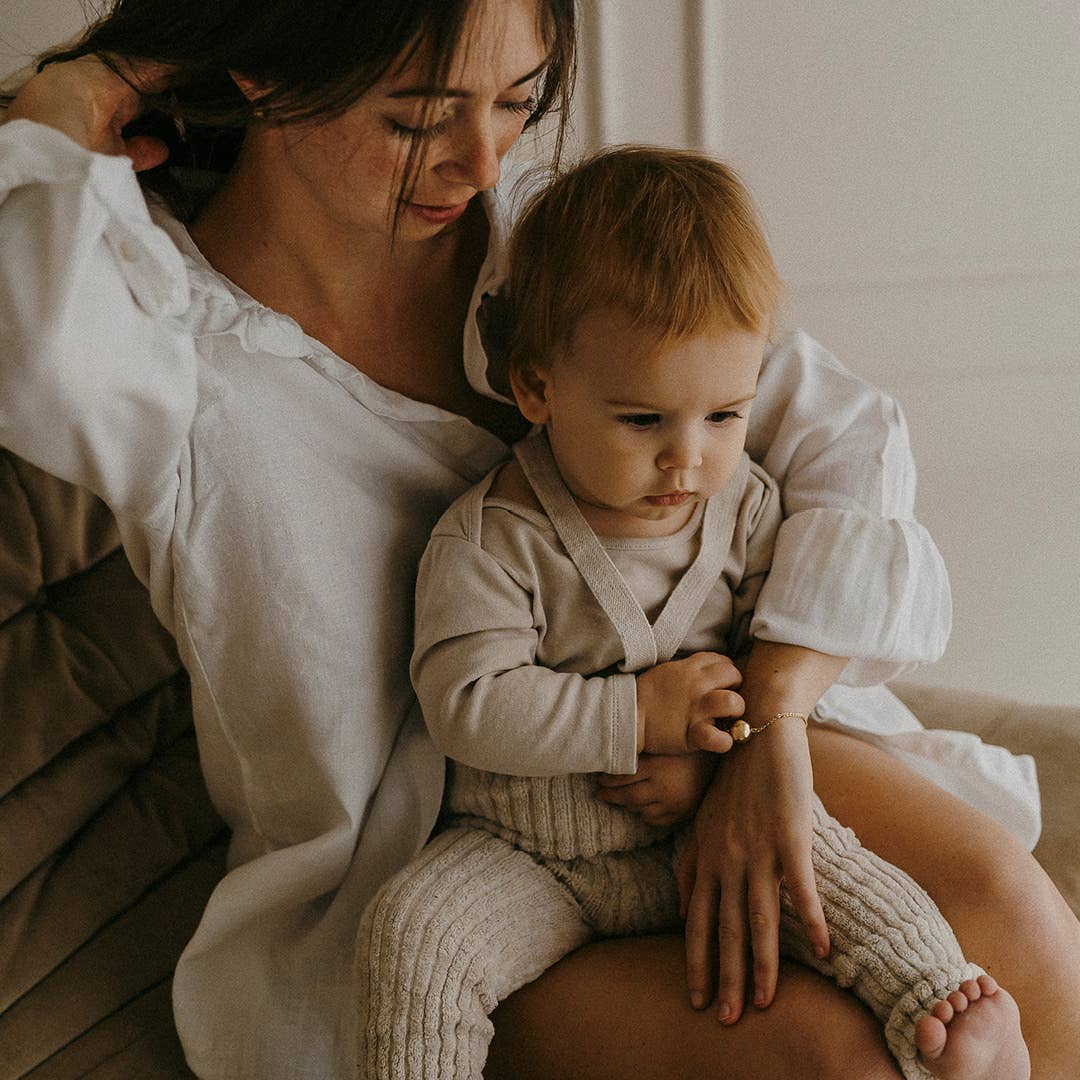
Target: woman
273,401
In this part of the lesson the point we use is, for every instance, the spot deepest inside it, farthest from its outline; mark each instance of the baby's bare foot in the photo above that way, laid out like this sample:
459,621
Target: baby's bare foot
974,1034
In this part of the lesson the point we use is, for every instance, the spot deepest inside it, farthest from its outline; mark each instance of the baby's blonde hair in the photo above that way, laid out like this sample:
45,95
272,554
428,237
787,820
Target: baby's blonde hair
668,237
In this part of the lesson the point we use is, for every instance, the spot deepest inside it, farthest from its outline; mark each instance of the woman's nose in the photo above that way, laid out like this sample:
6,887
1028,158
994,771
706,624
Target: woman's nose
474,157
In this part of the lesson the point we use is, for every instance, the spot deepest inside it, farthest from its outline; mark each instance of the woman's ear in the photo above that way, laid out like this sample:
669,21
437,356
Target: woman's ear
530,387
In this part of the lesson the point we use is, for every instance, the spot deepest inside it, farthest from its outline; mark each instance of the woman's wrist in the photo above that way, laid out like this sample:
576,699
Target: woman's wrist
780,678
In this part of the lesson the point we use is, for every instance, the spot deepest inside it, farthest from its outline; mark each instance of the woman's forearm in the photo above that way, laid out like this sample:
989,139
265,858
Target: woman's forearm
786,678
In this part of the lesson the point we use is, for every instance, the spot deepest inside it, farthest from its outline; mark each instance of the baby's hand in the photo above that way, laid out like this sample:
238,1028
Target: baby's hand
665,789
679,702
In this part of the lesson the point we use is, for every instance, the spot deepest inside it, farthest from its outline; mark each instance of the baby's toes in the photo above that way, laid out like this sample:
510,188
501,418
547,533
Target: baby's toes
931,1034
971,990
958,1000
942,1011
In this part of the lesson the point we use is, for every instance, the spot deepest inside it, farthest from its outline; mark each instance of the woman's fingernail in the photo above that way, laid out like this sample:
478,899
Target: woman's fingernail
821,951
723,1010
697,999
759,998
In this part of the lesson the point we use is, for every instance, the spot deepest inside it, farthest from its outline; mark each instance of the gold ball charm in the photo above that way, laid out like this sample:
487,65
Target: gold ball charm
740,731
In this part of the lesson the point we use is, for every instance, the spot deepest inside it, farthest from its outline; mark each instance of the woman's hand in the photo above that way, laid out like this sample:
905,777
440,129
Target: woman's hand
664,790
87,101
752,833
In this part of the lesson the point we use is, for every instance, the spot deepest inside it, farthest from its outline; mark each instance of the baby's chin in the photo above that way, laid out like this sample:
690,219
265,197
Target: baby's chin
641,518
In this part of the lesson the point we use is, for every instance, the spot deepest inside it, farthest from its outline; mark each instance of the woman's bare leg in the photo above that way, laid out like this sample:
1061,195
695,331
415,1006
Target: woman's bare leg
1005,911
620,1008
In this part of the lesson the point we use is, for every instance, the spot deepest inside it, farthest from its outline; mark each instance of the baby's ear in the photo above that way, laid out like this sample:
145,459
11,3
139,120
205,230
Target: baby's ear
530,392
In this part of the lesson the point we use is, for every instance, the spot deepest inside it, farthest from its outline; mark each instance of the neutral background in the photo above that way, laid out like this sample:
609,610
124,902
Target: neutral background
917,165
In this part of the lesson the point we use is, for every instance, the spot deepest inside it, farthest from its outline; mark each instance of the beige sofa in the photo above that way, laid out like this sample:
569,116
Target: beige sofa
108,843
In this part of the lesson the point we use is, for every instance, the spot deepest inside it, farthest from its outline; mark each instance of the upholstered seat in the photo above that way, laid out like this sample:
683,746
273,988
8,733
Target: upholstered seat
109,846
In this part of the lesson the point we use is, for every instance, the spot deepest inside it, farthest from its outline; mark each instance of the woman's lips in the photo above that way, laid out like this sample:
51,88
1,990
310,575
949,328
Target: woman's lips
437,215
672,498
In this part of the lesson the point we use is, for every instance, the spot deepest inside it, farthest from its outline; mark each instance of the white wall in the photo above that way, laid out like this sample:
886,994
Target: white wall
29,26
917,167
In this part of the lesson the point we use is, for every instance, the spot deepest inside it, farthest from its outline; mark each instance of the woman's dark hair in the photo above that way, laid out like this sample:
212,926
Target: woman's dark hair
318,56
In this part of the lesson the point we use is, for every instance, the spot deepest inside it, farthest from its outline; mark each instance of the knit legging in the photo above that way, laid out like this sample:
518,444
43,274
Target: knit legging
474,918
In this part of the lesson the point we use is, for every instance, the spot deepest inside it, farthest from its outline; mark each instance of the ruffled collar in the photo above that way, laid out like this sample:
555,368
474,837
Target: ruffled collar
220,307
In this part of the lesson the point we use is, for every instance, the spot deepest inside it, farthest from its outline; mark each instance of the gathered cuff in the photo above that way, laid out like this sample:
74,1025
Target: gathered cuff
872,589
33,153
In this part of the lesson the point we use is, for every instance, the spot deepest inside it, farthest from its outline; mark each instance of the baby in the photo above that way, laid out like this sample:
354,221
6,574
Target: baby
586,593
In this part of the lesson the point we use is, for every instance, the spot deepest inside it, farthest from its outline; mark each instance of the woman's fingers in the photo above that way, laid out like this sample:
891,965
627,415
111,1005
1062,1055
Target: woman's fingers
701,919
798,876
686,875
145,152
731,949
91,101
763,909
145,76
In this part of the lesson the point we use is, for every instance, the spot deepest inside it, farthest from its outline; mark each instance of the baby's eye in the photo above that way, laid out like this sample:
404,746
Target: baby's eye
723,417
639,420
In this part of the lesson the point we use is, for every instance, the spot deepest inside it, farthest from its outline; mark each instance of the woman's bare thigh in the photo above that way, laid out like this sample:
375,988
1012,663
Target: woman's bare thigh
618,1009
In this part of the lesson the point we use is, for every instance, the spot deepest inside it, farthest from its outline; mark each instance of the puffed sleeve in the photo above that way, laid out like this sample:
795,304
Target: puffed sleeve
853,573
97,382
486,701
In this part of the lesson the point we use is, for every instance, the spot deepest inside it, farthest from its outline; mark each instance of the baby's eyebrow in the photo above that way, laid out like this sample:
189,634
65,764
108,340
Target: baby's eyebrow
455,92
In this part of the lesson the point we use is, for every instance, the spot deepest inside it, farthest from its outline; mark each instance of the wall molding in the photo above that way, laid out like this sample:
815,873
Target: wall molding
704,97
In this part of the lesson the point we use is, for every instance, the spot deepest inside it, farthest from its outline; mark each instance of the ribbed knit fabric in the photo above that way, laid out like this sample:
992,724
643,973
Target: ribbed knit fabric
890,944
474,918
553,816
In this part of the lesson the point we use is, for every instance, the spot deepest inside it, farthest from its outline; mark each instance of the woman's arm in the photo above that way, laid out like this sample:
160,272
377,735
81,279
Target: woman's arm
752,832
853,573
857,592
88,102
96,384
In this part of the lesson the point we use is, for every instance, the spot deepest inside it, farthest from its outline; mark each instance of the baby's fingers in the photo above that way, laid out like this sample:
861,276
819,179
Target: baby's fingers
721,703
705,735
632,796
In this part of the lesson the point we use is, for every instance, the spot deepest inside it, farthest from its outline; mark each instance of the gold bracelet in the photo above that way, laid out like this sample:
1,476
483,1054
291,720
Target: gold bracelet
741,731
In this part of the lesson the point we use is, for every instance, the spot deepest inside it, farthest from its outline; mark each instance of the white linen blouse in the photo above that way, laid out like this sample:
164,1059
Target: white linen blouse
276,501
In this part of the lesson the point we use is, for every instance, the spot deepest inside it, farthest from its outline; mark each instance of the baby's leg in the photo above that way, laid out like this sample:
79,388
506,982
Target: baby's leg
469,921
893,948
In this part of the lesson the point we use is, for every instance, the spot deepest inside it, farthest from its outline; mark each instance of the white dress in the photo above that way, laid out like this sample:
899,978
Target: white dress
276,502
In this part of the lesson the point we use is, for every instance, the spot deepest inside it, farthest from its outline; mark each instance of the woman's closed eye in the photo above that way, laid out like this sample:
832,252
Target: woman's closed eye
522,108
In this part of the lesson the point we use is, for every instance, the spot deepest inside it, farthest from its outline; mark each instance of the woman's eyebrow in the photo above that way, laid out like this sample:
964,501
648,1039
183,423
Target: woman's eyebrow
454,92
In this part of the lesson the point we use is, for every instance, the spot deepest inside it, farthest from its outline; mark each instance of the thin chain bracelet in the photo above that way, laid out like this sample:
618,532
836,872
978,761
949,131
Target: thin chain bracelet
741,730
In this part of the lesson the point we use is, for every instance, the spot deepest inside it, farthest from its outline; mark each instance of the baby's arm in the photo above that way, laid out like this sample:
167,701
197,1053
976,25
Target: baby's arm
489,704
